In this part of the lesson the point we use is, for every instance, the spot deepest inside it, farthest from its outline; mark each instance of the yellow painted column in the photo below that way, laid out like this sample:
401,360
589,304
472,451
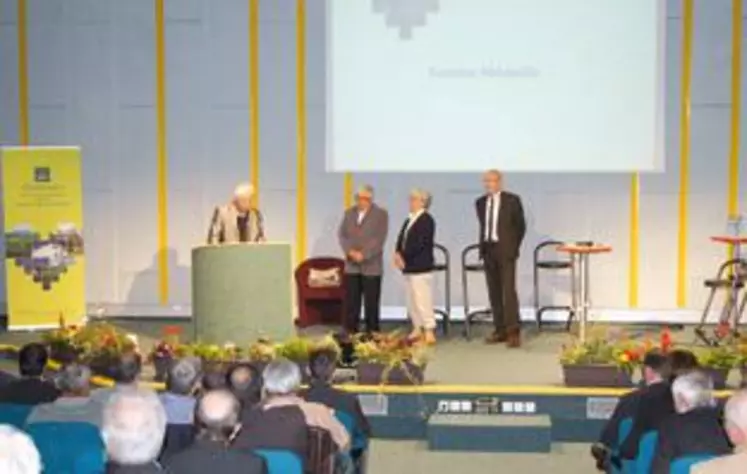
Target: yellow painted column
161,155
23,74
347,189
254,97
635,193
736,106
684,184
301,130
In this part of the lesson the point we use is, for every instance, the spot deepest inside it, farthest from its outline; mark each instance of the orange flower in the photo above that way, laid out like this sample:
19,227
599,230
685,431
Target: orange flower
172,330
666,340
625,357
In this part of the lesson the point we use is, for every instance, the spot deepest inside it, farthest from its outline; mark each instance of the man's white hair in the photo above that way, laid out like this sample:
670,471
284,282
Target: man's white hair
735,411
18,454
134,426
243,190
281,377
365,189
692,390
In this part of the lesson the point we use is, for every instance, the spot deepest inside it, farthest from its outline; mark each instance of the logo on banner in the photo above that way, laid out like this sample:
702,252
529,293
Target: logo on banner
42,174
405,16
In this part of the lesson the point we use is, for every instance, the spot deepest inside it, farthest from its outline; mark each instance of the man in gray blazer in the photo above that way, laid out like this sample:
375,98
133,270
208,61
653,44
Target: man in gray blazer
237,221
362,234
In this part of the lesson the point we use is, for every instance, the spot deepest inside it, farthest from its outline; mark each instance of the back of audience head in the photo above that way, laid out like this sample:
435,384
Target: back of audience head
323,363
281,377
134,426
735,415
213,380
656,367
243,380
128,368
217,415
681,362
74,380
32,359
691,391
184,376
18,454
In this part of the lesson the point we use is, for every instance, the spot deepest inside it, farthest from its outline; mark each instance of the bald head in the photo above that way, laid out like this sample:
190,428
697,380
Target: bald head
736,418
218,413
492,180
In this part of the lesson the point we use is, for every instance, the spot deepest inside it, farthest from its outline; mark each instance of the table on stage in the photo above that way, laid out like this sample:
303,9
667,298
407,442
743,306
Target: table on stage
580,279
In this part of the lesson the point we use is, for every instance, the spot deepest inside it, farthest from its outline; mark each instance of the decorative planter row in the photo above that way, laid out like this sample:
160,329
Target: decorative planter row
406,373
612,376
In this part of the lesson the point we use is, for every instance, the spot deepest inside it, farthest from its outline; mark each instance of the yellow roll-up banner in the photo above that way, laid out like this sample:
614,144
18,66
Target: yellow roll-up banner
44,251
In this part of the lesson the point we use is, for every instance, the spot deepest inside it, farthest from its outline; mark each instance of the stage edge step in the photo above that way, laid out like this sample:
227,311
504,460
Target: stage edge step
490,433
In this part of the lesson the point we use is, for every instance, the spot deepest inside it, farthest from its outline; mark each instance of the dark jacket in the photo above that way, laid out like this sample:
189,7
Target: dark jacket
213,457
28,391
693,433
282,427
416,244
654,406
625,408
6,378
511,224
338,400
150,468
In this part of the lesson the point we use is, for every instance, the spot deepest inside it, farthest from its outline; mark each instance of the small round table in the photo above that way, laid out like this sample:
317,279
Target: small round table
736,241
581,281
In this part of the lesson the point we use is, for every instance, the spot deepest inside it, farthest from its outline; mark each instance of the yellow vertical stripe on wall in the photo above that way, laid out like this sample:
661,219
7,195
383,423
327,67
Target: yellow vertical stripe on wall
685,96
23,74
736,102
254,96
161,156
635,193
301,129
347,189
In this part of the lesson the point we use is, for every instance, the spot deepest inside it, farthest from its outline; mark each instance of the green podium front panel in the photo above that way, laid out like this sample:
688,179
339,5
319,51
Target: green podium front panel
241,292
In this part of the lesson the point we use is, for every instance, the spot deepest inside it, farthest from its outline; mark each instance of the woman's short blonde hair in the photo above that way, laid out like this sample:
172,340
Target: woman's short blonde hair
423,195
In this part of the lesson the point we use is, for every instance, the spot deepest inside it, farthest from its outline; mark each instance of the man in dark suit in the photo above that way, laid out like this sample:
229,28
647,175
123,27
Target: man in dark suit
414,257
30,389
362,234
695,429
502,229
217,418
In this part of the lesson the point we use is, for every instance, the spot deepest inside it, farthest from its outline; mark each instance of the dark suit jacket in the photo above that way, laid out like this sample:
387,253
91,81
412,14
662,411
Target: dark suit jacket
696,432
511,224
417,248
150,468
28,391
6,378
654,406
338,400
625,408
211,457
282,427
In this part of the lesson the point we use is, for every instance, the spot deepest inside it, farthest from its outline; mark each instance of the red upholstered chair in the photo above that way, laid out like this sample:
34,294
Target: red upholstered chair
320,304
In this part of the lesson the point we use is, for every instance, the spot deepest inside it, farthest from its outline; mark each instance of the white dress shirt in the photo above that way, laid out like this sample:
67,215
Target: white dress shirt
361,216
492,205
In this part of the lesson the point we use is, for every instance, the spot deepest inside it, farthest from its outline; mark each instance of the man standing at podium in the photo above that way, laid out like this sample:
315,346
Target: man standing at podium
237,221
362,234
502,229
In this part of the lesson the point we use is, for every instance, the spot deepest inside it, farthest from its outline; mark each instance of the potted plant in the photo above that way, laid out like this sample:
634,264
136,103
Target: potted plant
261,352
165,351
718,362
215,357
601,361
101,347
296,349
390,358
61,344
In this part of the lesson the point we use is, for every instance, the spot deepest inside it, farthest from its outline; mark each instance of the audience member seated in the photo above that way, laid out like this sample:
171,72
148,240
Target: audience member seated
178,400
30,389
75,403
281,419
655,404
245,383
125,375
133,428
5,378
18,454
217,418
695,429
322,365
656,370
213,379
735,415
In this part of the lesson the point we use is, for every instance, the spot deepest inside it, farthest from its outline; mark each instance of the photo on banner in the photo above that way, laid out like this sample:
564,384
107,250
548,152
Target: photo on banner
44,247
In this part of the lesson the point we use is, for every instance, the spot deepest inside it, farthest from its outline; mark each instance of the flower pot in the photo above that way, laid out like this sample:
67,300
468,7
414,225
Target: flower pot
596,376
63,353
407,373
718,375
161,365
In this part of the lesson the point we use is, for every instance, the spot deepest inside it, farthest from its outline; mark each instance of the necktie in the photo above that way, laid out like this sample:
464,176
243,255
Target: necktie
242,221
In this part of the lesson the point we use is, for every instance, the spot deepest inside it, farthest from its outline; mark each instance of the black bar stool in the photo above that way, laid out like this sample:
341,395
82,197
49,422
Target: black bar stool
443,264
547,259
471,263
732,274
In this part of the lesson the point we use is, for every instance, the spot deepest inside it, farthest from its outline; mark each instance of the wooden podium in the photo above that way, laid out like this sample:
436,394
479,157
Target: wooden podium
241,292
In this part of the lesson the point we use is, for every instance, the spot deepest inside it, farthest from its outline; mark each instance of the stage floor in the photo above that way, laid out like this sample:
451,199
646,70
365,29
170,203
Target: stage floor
454,360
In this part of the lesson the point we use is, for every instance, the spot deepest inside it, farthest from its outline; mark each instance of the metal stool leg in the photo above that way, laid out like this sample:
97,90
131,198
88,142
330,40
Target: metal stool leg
465,303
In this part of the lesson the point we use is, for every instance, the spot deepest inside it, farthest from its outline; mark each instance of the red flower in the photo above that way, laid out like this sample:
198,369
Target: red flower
172,330
666,340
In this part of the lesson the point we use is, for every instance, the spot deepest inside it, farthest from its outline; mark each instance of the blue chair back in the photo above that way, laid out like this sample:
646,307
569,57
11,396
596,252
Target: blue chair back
646,451
682,465
69,448
280,461
15,415
358,439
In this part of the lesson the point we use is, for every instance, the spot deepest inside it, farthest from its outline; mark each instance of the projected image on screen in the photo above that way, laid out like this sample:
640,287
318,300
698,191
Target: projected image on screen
522,85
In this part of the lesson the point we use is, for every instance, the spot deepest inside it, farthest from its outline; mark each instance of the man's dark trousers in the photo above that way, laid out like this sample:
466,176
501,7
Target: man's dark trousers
366,289
500,275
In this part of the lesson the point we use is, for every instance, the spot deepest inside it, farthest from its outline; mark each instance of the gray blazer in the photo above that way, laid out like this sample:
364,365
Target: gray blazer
368,237
224,226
